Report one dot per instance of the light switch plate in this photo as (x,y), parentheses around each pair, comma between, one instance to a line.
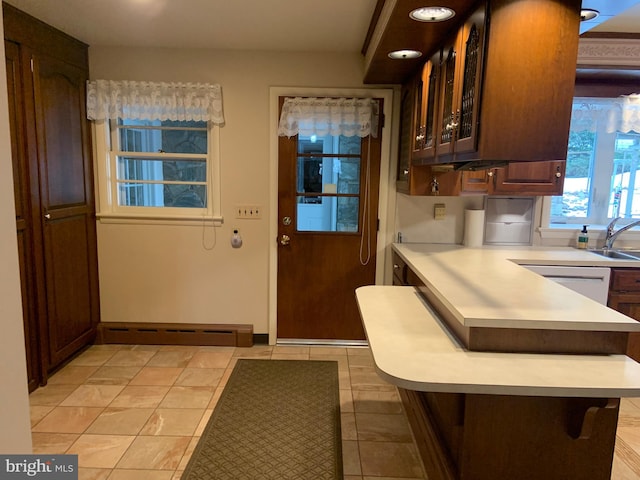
(252,212)
(439,211)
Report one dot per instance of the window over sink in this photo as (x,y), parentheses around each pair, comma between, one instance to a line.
(603,169)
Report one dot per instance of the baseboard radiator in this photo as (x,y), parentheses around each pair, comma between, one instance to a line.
(175,334)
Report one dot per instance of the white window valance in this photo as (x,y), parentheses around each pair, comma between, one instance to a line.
(329,116)
(625,114)
(112,99)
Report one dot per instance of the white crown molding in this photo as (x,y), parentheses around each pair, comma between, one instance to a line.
(613,52)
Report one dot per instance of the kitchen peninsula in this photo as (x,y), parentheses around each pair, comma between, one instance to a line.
(499,414)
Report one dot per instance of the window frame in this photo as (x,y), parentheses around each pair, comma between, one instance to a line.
(107,208)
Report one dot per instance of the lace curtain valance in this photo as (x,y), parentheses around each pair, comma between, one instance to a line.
(625,115)
(111,99)
(329,116)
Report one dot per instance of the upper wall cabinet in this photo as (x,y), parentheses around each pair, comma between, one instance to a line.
(506,80)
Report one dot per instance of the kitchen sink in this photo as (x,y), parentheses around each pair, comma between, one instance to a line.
(619,254)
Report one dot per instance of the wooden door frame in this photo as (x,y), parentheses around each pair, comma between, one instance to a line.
(386,200)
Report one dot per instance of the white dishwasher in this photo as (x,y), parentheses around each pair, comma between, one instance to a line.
(592,282)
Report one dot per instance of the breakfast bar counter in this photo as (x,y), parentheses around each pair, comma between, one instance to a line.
(487,415)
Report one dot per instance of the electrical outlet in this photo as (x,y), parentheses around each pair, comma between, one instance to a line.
(252,212)
(439,211)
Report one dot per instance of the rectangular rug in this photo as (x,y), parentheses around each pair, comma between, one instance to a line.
(275,419)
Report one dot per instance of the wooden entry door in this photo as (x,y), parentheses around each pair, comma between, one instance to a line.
(327,225)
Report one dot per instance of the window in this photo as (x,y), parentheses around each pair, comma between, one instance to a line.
(158,168)
(602,174)
(160,148)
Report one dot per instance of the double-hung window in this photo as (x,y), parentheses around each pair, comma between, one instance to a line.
(159,155)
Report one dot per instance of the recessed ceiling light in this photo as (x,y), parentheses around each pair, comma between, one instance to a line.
(432,14)
(587,14)
(404,54)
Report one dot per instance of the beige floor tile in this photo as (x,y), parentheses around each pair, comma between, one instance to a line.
(357,351)
(177,475)
(140,396)
(371,401)
(157,453)
(113,375)
(342,360)
(172,358)
(361,361)
(621,470)
(366,378)
(51,394)
(54,443)
(92,396)
(344,380)
(211,359)
(38,412)
(72,375)
(173,421)
(93,473)
(187,454)
(216,396)
(346,401)
(352,477)
(351,458)
(188,397)
(381,427)
(120,421)
(68,419)
(120,474)
(100,451)
(389,459)
(131,358)
(92,357)
(289,356)
(330,351)
(156,376)
(257,351)
(348,426)
(200,377)
(291,350)
(203,422)
(179,348)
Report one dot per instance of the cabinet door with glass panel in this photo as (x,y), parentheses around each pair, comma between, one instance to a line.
(426,126)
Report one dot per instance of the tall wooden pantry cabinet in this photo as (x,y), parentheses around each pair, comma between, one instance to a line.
(54,193)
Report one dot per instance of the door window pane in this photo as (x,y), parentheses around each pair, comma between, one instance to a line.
(328,183)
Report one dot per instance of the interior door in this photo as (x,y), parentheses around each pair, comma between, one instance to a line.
(327,217)
(67,204)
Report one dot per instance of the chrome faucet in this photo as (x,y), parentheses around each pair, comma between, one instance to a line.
(611,235)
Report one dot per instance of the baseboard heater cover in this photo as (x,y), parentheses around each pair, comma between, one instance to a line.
(175,334)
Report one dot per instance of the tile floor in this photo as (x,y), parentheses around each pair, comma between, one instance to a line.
(136,412)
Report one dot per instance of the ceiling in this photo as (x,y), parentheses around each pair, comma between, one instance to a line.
(276,25)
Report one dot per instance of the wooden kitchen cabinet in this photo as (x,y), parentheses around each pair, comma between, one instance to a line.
(55,215)
(624,296)
(425,105)
(528,178)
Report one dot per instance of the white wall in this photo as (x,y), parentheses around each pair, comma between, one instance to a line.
(15,429)
(160,273)
(415,219)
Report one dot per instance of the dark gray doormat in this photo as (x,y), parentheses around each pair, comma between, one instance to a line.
(276,419)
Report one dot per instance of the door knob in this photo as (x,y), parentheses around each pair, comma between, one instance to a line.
(47,216)
(285,239)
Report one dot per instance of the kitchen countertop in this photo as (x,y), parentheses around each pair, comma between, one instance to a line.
(413,350)
(487,287)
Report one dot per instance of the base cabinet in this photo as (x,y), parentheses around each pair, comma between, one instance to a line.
(624,296)
(489,437)
(53,178)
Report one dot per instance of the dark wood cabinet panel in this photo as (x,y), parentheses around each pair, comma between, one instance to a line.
(624,296)
(529,178)
(53,179)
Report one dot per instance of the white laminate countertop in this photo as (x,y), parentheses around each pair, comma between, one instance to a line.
(487,287)
(411,349)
